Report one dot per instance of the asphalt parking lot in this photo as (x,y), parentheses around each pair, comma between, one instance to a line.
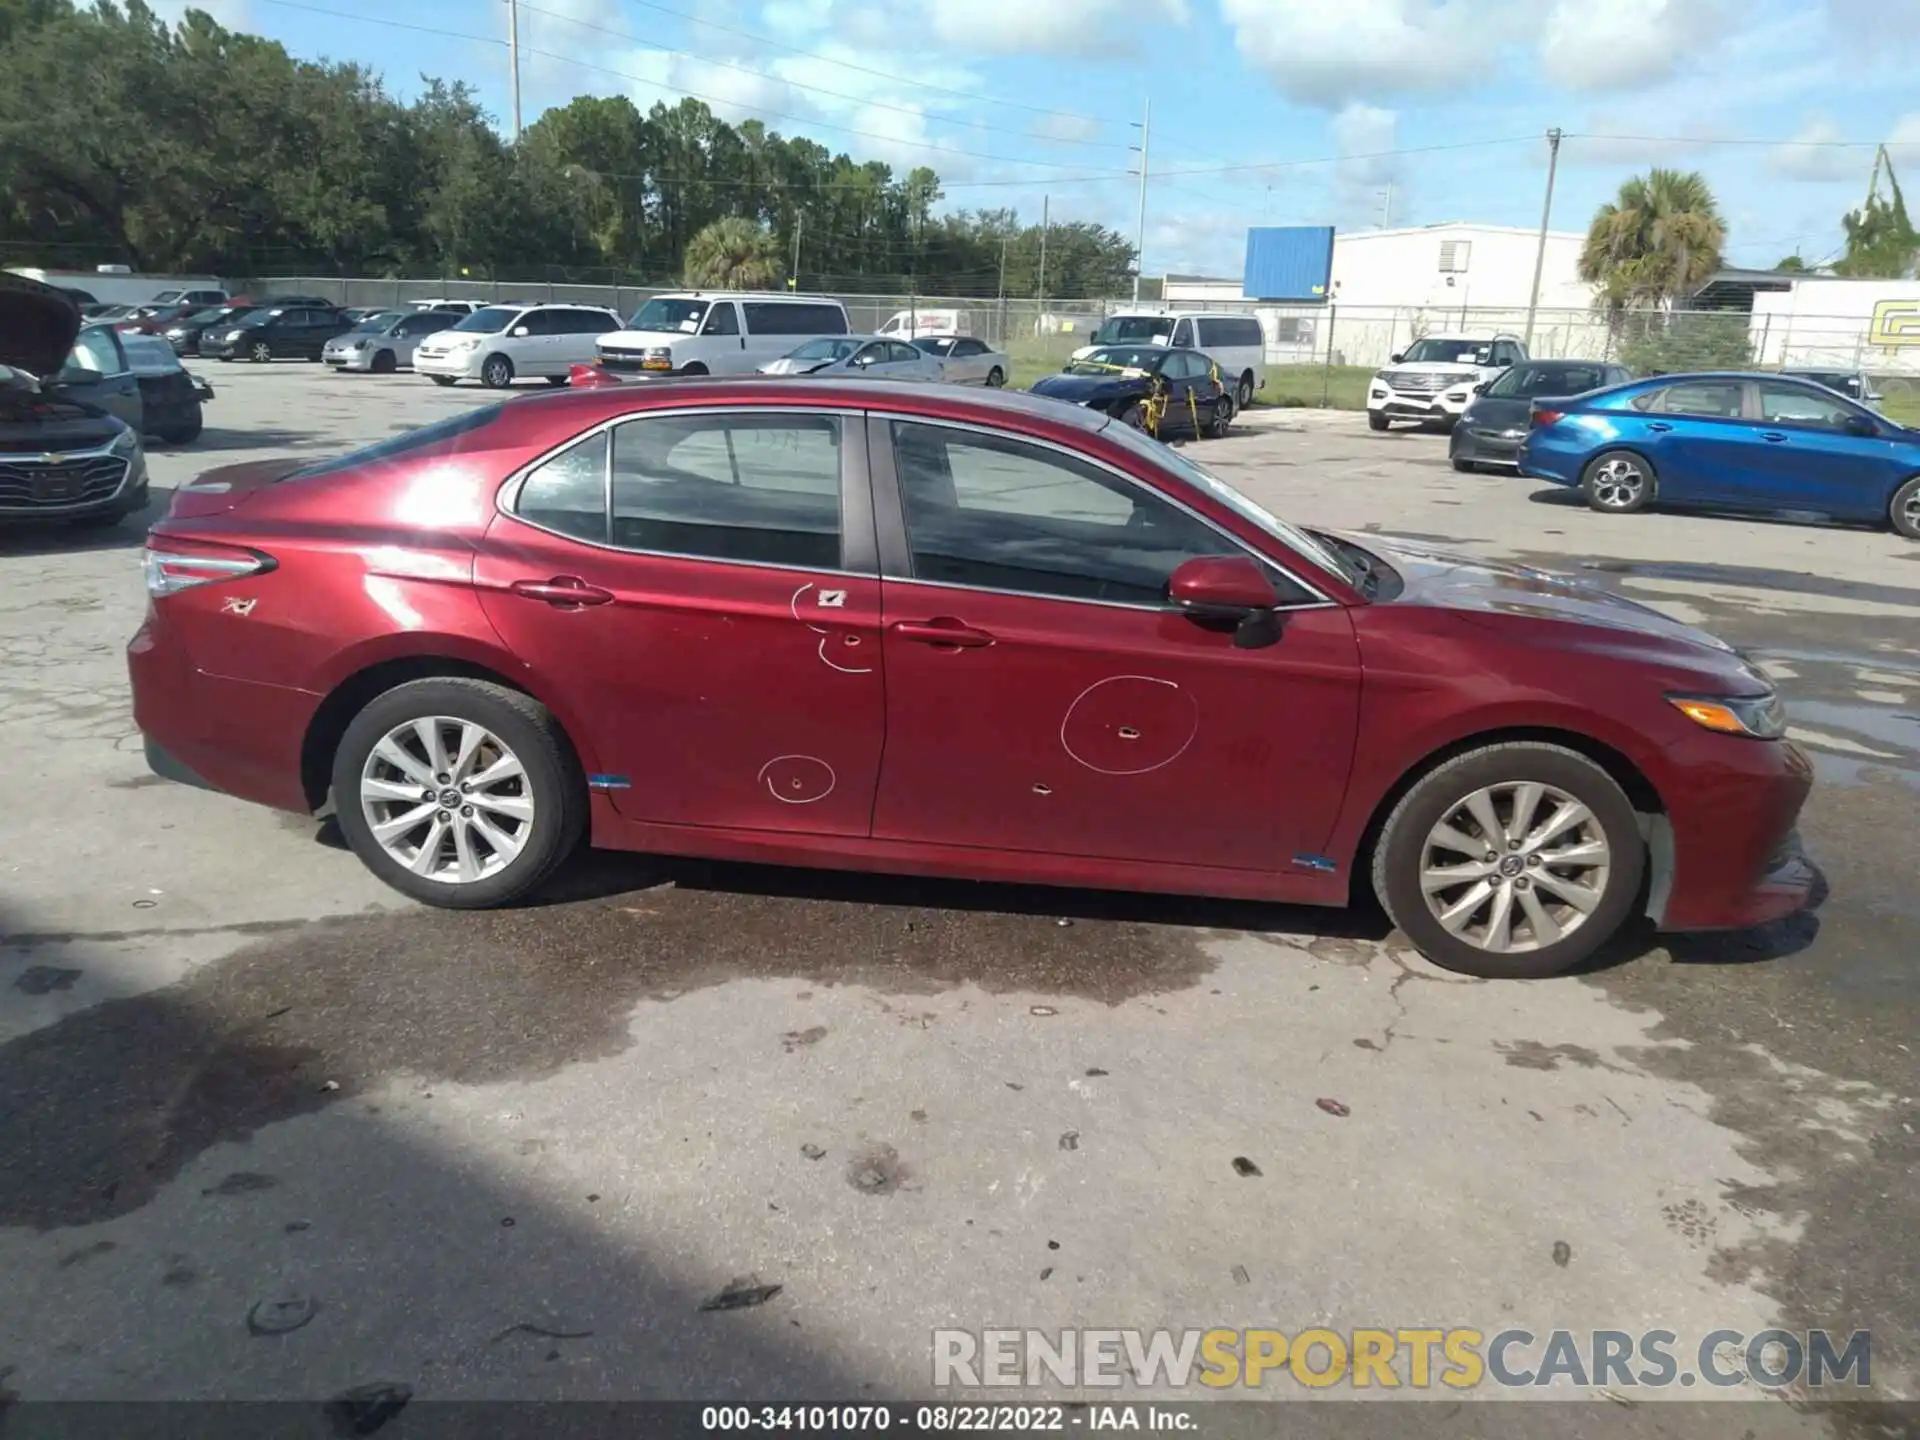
(270,1131)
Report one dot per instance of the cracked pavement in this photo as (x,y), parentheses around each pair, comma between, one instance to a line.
(273,1132)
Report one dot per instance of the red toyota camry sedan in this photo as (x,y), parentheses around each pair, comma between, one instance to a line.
(934,631)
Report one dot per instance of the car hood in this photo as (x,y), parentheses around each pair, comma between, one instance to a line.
(38,325)
(1082,388)
(1435,367)
(1490,588)
(37,419)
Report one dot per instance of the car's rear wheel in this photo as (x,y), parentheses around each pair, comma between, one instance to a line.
(1515,860)
(996,377)
(385,363)
(696,368)
(458,792)
(441,379)
(497,372)
(1243,397)
(1376,420)
(1617,482)
(185,432)
(1135,415)
(1221,422)
(1904,511)
(260,352)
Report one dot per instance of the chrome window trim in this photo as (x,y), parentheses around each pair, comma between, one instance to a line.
(1321,600)
(508,493)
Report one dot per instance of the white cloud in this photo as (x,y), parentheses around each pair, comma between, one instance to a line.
(1328,54)
(1587,45)
(1082,29)
(1070,128)
(1903,141)
(234,14)
(1362,136)
(1812,155)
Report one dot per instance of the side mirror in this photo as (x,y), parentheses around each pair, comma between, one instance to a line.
(1860,425)
(1481,388)
(1228,590)
(1396,358)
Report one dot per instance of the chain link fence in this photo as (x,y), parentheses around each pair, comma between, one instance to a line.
(1316,354)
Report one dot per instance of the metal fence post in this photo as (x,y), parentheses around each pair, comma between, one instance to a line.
(1326,372)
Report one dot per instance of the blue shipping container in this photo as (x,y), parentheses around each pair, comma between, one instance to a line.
(1289,262)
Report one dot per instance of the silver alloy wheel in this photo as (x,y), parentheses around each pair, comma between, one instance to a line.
(1618,483)
(447,799)
(261,352)
(1911,509)
(1515,867)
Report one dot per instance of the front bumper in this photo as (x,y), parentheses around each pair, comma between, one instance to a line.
(1408,405)
(629,366)
(361,359)
(465,365)
(74,487)
(217,347)
(1486,447)
(1736,856)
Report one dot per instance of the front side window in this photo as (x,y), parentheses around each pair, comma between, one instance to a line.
(1798,405)
(760,488)
(721,320)
(999,514)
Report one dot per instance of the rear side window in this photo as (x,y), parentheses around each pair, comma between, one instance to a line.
(794,317)
(568,493)
(1717,398)
(763,489)
(440,439)
(1230,332)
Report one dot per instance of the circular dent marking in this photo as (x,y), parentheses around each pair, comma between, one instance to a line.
(797,779)
(1129,725)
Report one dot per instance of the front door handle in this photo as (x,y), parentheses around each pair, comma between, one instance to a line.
(1659,425)
(943,630)
(1772,436)
(566,592)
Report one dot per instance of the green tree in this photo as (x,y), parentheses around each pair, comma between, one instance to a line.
(1655,243)
(733,254)
(1793,265)
(1881,242)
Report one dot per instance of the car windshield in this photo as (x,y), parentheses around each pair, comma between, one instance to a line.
(1447,352)
(490,321)
(1524,382)
(1307,546)
(833,348)
(669,315)
(1108,359)
(1154,328)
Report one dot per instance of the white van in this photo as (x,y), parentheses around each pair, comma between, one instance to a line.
(1235,343)
(498,344)
(717,334)
(912,324)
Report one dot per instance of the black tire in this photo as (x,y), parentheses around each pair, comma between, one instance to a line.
(1610,486)
(441,379)
(1376,420)
(996,377)
(186,432)
(1903,511)
(1398,858)
(260,352)
(496,372)
(1220,423)
(224,359)
(1135,415)
(1243,396)
(557,787)
(384,362)
(1465,467)
(696,368)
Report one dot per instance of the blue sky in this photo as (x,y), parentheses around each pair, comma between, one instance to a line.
(1264,111)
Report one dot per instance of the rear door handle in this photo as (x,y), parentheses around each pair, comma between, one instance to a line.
(567,592)
(1772,435)
(942,631)
(1660,425)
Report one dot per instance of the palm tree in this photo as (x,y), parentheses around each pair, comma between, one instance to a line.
(733,254)
(1654,243)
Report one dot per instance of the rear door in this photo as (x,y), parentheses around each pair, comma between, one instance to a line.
(714,632)
(1700,442)
(1042,696)
(98,372)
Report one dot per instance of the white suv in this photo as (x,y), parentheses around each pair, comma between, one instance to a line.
(1434,379)
(717,334)
(499,344)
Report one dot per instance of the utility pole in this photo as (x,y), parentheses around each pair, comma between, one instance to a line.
(1001,295)
(1045,225)
(1546,214)
(799,220)
(513,61)
(1140,242)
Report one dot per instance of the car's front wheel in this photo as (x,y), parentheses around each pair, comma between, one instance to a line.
(260,352)
(497,372)
(1904,510)
(1221,422)
(996,377)
(458,792)
(1243,397)
(1617,482)
(1516,860)
(1376,420)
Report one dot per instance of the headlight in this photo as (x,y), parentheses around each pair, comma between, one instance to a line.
(353,345)
(660,352)
(1759,717)
(125,443)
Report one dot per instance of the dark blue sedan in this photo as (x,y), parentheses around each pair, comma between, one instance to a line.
(1736,442)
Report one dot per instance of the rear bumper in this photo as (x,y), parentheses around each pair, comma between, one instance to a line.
(1736,855)
(1541,457)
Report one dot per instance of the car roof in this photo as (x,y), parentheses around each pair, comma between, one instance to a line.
(777,297)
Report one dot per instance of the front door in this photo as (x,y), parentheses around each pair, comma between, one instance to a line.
(704,631)
(1806,458)
(1041,694)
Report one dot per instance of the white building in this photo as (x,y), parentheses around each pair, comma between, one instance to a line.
(1827,320)
(1451,266)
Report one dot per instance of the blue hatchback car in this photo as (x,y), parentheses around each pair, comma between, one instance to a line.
(1737,442)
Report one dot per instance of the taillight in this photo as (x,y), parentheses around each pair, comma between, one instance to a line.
(1546,417)
(173,564)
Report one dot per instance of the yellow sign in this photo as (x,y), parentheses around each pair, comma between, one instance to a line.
(1895,323)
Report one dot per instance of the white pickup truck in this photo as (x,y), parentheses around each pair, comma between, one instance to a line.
(1433,379)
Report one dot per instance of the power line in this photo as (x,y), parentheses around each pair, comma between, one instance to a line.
(801,85)
(1727,140)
